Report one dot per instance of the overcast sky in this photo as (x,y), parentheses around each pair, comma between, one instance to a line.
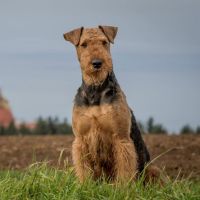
(156,56)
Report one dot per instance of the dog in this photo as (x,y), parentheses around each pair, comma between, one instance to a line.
(108,143)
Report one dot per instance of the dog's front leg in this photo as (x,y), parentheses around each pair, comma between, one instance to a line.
(79,155)
(125,160)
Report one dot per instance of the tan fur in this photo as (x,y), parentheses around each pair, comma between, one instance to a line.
(102,133)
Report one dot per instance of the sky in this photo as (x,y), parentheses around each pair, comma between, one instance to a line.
(156,56)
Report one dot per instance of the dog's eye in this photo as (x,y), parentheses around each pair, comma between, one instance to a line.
(84,45)
(104,42)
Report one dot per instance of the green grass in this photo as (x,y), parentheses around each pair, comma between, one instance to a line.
(42,182)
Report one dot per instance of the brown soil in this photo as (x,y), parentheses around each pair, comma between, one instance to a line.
(182,153)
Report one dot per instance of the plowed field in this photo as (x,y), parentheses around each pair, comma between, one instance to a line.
(182,153)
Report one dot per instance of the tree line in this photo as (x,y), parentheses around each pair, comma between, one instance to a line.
(43,126)
(151,127)
(53,126)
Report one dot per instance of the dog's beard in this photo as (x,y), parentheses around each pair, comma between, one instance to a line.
(99,78)
(96,77)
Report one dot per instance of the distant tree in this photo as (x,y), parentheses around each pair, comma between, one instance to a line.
(41,127)
(150,124)
(159,129)
(155,128)
(65,127)
(24,130)
(186,129)
(11,129)
(2,130)
(198,130)
(52,125)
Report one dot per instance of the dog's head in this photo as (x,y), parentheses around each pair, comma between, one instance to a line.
(93,50)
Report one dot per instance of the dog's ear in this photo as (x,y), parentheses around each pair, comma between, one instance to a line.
(110,32)
(74,36)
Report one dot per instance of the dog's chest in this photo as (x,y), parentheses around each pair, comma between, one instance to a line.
(93,118)
(104,119)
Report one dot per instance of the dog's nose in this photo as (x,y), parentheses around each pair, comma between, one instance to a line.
(97,63)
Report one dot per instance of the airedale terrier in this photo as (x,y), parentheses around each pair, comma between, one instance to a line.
(108,142)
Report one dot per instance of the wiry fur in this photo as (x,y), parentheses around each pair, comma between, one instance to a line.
(107,142)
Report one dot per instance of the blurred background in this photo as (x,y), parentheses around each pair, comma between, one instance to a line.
(156,56)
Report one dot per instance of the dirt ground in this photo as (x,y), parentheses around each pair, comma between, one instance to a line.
(178,154)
